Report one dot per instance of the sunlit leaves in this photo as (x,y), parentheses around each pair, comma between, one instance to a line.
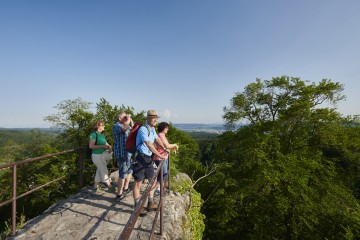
(295,168)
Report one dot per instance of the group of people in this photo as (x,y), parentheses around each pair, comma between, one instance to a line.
(149,146)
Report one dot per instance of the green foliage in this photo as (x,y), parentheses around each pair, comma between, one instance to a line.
(292,173)
(20,223)
(14,144)
(280,98)
(203,135)
(186,160)
(76,120)
(195,220)
(207,149)
(30,144)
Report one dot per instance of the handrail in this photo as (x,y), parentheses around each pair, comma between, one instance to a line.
(129,227)
(37,158)
(133,218)
(14,165)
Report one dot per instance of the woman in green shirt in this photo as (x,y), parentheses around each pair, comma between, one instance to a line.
(101,155)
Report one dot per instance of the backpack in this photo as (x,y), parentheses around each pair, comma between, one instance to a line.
(88,150)
(130,144)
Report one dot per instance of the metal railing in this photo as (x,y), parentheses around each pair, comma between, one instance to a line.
(14,166)
(81,153)
(129,227)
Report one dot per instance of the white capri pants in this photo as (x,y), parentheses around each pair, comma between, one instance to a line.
(101,161)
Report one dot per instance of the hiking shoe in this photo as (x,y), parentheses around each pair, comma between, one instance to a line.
(126,191)
(119,197)
(143,212)
(152,206)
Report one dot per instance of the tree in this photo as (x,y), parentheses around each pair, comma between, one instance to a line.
(293,171)
(280,97)
(75,118)
(33,174)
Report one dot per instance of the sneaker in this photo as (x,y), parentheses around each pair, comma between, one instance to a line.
(110,189)
(152,206)
(119,197)
(95,189)
(126,191)
(157,192)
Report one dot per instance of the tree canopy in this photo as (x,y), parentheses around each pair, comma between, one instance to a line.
(293,171)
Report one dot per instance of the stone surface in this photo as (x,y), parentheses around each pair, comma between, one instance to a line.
(89,215)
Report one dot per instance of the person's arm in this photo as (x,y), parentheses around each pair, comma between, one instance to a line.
(169,145)
(174,147)
(129,123)
(153,150)
(93,146)
(160,143)
(109,148)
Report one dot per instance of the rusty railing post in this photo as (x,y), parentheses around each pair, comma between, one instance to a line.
(168,176)
(81,168)
(161,199)
(13,210)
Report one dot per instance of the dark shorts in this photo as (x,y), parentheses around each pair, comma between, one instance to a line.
(143,168)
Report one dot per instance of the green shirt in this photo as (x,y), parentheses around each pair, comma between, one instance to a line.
(100,141)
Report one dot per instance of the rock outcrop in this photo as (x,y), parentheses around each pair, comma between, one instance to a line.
(89,215)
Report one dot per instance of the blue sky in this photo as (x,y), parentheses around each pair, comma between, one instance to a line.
(184,58)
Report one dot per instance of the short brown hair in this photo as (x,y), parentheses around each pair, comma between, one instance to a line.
(97,124)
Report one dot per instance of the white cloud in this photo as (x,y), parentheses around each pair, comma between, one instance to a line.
(166,114)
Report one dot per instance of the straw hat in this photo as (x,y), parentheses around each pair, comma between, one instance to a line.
(152,113)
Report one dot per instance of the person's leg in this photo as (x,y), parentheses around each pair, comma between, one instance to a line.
(139,175)
(103,171)
(153,187)
(97,179)
(126,184)
(136,192)
(157,162)
(96,159)
(165,172)
(120,182)
(149,174)
(129,172)
(165,169)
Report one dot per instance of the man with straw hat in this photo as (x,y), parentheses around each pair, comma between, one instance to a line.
(144,168)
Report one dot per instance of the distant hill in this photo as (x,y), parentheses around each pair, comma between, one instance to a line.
(215,128)
(48,130)
(198,127)
(187,127)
